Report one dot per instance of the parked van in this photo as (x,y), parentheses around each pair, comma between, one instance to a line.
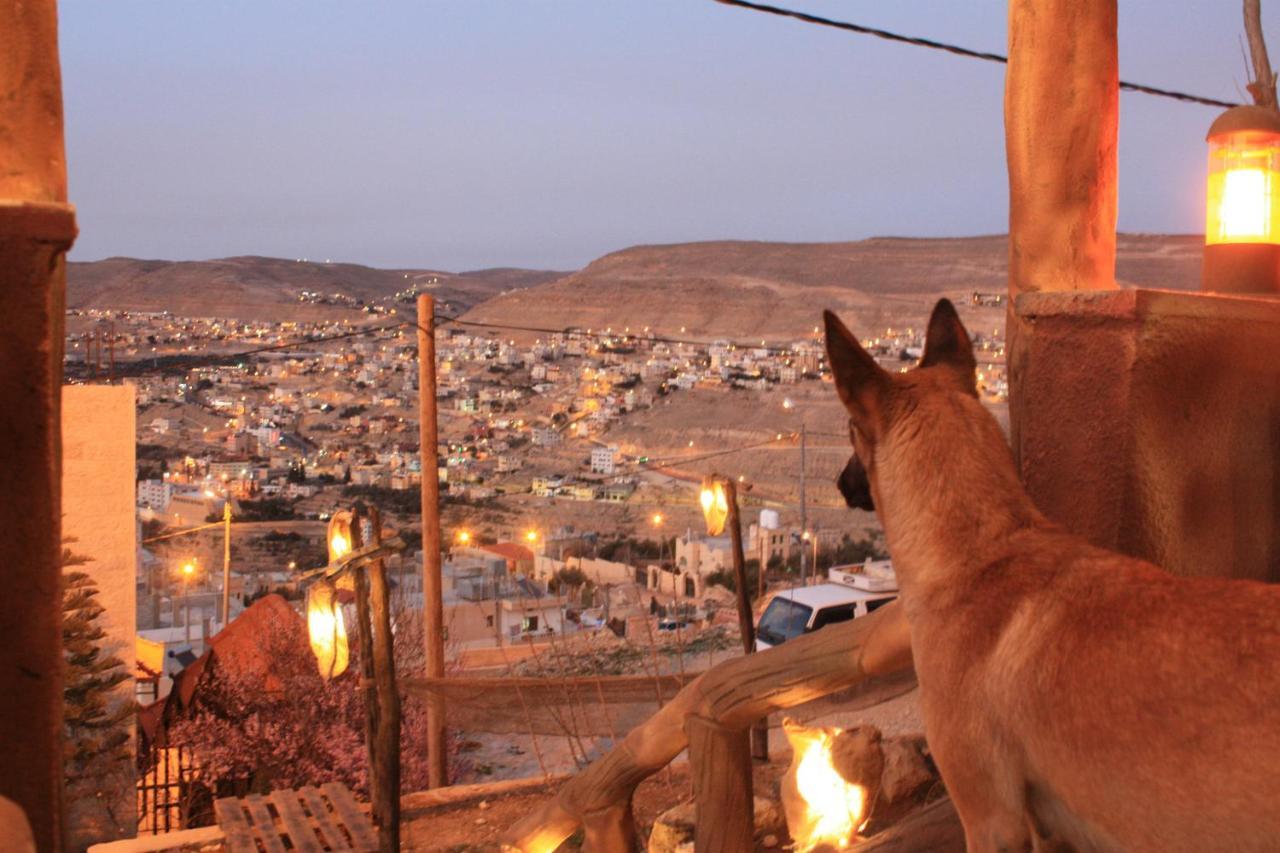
(854,590)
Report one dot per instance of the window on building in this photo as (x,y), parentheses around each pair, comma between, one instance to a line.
(529,624)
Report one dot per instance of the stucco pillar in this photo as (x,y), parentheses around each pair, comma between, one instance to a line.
(37,227)
(1061,115)
(1145,421)
(1061,118)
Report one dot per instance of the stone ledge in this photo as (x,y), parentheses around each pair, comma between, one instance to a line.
(1138,303)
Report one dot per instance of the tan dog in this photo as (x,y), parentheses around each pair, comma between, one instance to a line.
(1070,694)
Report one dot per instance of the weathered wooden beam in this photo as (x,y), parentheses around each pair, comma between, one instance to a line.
(386,791)
(734,694)
(432,583)
(722,786)
(368,677)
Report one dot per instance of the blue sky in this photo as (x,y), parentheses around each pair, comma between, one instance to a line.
(544,133)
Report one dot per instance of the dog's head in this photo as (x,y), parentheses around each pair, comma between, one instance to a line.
(873,396)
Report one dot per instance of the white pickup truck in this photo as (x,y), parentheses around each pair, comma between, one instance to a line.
(852,591)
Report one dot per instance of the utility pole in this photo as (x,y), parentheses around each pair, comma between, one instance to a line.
(804,515)
(111,352)
(226,561)
(432,585)
(760,731)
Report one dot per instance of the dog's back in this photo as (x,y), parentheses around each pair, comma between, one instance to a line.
(1144,709)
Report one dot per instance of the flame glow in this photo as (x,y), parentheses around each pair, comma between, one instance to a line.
(834,810)
(1243,198)
(1244,206)
(707,498)
(339,544)
(327,630)
(715,505)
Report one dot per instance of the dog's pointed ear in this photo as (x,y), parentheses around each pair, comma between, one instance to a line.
(860,382)
(947,343)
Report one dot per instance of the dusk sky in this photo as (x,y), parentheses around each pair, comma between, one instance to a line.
(543,134)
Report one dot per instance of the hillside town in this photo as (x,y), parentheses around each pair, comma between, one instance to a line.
(318,414)
(285,428)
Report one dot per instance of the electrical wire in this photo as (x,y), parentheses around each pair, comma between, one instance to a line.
(610,336)
(951,48)
(670,461)
(182,532)
(444,321)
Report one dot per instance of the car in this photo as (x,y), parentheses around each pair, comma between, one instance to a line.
(860,590)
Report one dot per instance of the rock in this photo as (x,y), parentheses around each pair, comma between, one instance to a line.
(857,754)
(674,830)
(906,769)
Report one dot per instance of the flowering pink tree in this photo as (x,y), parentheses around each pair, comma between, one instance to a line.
(268,719)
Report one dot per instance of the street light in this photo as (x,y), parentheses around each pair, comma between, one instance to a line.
(718,498)
(662,540)
(188,571)
(808,536)
(326,629)
(339,535)
(714,499)
(463,538)
(788,404)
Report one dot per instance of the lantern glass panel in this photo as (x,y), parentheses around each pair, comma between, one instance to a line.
(1243,204)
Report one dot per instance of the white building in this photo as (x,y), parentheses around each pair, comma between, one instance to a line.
(603,459)
(154,494)
(545,437)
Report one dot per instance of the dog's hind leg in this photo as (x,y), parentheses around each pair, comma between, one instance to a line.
(1005,832)
(989,798)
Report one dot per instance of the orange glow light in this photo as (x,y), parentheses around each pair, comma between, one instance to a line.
(1243,202)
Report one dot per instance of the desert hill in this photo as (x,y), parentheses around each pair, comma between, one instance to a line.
(269,288)
(747,290)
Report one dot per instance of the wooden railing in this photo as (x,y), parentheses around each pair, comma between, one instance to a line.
(712,717)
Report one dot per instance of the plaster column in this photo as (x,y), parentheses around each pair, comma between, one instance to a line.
(37,227)
(1061,117)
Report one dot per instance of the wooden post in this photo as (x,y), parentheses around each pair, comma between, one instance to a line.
(739,568)
(759,732)
(37,227)
(226,561)
(368,678)
(432,585)
(722,786)
(386,793)
(610,830)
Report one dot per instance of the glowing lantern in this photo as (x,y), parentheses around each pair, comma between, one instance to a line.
(1242,215)
(326,628)
(715,505)
(339,535)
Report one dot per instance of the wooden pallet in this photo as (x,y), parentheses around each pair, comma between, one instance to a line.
(312,820)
